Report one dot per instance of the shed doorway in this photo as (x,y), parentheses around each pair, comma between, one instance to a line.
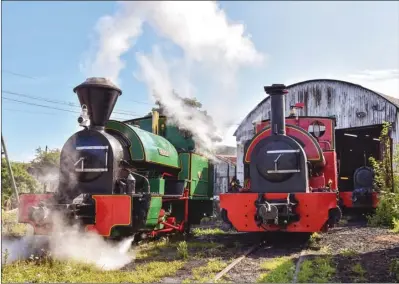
(354,147)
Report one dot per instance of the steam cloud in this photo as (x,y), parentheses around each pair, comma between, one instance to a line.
(214,50)
(70,243)
(67,242)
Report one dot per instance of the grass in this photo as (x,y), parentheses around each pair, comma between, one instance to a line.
(278,270)
(394,268)
(206,232)
(155,260)
(314,240)
(358,273)
(326,250)
(206,273)
(57,271)
(316,270)
(182,250)
(152,249)
(349,252)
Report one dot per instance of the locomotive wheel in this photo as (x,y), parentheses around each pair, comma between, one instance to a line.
(335,216)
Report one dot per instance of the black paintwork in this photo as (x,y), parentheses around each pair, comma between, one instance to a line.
(263,161)
(100,96)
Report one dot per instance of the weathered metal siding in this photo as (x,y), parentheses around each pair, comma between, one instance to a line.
(346,101)
(240,162)
(223,173)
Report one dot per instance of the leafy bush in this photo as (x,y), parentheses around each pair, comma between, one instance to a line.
(395,225)
(29,177)
(387,181)
(24,181)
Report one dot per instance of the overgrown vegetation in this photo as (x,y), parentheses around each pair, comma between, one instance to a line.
(24,182)
(319,269)
(206,273)
(394,268)
(395,225)
(278,270)
(50,271)
(314,241)
(349,252)
(210,231)
(358,273)
(387,181)
(182,250)
(10,225)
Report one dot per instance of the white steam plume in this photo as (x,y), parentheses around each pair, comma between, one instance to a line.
(214,50)
(69,243)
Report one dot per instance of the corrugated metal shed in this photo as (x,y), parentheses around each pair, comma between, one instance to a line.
(353,106)
(224,171)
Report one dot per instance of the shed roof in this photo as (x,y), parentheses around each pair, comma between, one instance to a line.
(392,100)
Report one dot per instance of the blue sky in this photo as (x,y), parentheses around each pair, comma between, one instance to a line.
(354,41)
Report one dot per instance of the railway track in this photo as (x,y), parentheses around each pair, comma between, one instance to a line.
(265,245)
(237,261)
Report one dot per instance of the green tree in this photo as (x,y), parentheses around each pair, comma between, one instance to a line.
(45,167)
(48,158)
(24,181)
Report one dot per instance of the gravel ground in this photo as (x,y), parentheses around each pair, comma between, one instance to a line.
(350,244)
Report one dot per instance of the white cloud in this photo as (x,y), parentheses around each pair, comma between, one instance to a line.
(214,50)
(376,75)
(382,81)
(385,81)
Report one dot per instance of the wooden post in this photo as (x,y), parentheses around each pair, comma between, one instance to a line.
(10,169)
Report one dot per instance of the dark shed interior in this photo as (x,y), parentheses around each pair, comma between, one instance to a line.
(354,147)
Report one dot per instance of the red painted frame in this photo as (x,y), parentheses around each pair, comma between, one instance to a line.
(111,211)
(313,209)
(346,197)
(171,221)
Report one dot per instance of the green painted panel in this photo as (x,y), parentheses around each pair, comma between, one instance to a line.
(145,146)
(157,185)
(145,124)
(153,212)
(171,132)
(199,176)
(184,159)
(177,138)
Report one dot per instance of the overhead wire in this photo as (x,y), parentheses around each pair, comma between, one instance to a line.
(28,111)
(123,112)
(49,107)
(35,78)
(117,111)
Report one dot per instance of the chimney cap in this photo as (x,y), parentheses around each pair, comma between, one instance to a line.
(98,82)
(276,89)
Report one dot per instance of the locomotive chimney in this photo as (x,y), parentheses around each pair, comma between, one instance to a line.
(99,95)
(277,120)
